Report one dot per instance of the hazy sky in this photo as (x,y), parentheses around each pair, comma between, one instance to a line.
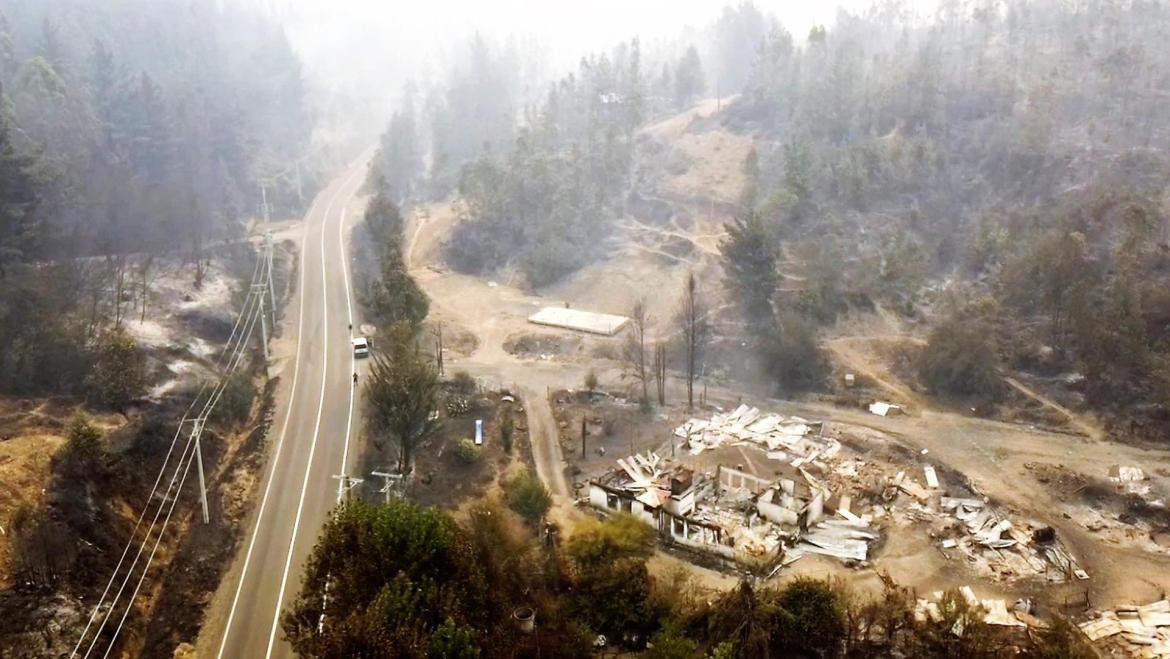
(570,28)
(370,47)
(573,25)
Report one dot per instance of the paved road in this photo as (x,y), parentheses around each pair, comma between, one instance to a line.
(307,446)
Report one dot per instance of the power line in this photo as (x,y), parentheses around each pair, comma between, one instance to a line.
(233,351)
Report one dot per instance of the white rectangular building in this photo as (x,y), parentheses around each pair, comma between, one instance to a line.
(581,321)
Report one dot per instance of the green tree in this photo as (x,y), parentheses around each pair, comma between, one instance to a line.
(402,581)
(749,265)
(119,370)
(614,599)
(689,82)
(451,641)
(811,618)
(960,358)
(746,620)
(83,453)
(790,355)
(394,296)
(403,390)
(19,194)
(595,543)
(1049,275)
(671,642)
(527,496)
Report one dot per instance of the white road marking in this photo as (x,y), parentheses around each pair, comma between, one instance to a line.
(312,444)
(280,441)
(352,360)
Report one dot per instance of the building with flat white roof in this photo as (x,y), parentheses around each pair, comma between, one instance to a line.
(581,321)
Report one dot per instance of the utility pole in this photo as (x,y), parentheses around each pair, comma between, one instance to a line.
(439,347)
(268,275)
(258,291)
(196,433)
(583,433)
(388,478)
(345,484)
(264,202)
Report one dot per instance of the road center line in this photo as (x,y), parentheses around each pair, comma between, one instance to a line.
(316,433)
(283,431)
(352,360)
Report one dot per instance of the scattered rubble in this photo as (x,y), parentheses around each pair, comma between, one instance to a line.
(995,611)
(1130,479)
(1141,631)
(772,432)
(813,495)
(994,544)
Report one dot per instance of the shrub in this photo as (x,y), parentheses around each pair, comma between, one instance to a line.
(812,617)
(791,356)
(960,359)
(468,452)
(119,372)
(83,451)
(620,536)
(236,402)
(506,427)
(463,383)
(591,380)
(527,496)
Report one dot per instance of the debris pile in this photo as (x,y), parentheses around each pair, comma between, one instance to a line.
(1131,480)
(998,546)
(843,539)
(783,437)
(733,513)
(995,611)
(1142,631)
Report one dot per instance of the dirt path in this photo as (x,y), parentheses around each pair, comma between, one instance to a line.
(852,353)
(1077,421)
(546,453)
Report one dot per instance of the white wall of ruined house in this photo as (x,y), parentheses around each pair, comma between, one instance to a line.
(603,499)
(777,514)
(735,479)
(816,507)
(683,504)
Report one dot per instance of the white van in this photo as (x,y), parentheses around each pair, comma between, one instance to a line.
(361,347)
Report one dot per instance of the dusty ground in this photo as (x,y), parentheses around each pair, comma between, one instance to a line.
(651,257)
(31,430)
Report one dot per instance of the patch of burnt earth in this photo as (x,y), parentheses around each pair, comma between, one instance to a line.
(446,476)
(533,346)
(206,550)
(80,529)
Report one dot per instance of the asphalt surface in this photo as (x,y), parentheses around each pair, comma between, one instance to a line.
(308,444)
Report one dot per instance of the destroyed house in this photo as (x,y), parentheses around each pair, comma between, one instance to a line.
(644,496)
(735,515)
(791,501)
